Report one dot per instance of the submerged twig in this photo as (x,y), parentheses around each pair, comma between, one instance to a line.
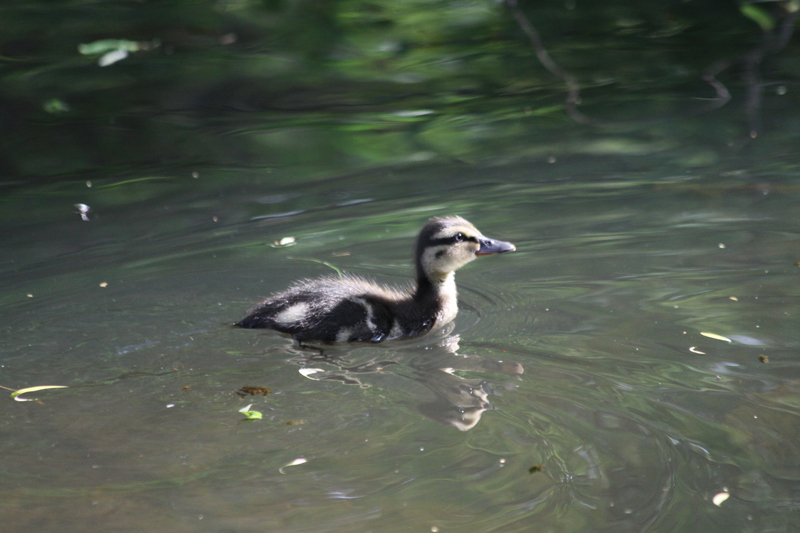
(321,262)
(573,87)
(770,44)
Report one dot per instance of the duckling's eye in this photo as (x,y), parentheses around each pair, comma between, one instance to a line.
(459,237)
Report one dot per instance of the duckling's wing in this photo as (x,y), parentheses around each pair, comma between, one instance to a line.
(353,318)
(330,310)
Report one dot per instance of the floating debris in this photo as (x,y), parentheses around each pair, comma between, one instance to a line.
(720,497)
(535,469)
(252,391)
(112,57)
(307,372)
(714,336)
(104,284)
(763,358)
(83,211)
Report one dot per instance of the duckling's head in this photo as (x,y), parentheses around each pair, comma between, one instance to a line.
(445,244)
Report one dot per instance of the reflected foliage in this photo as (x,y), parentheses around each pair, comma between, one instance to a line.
(320,86)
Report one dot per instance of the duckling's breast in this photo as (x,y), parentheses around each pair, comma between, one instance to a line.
(447,301)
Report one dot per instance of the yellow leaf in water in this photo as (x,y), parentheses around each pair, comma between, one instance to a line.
(17,393)
(298,461)
(715,336)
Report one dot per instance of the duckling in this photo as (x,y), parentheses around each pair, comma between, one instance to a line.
(352,309)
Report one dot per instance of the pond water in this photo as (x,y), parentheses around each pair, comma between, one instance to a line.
(577,390)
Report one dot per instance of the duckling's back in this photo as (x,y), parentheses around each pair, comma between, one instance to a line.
(331,310)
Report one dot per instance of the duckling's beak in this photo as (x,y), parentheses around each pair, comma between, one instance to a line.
(492,246)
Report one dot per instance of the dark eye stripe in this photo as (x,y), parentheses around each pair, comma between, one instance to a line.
(451,240)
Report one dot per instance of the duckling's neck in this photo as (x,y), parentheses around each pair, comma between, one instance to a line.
(439,290)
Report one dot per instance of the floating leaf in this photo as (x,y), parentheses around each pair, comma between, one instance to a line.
(108,45)
(251,415)
(307,372)
(286,241)
(298,461)
(17,393)
(714,336)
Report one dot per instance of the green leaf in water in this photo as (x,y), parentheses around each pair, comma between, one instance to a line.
(114,50)
(251,415)
(108,45)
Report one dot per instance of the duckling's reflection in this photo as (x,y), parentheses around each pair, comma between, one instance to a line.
(457,400)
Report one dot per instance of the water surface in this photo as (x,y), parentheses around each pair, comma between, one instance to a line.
(574,392)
